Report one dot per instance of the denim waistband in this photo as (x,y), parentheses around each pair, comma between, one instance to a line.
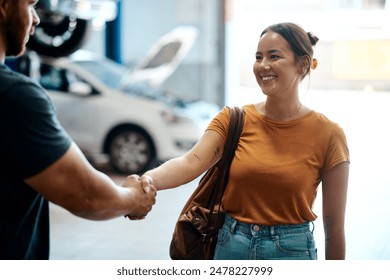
(256,230)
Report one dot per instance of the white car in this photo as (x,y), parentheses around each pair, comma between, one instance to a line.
(110,110)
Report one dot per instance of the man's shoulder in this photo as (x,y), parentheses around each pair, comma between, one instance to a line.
(12,82)
(10,78)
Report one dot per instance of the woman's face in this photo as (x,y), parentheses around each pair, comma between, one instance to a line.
(276,69)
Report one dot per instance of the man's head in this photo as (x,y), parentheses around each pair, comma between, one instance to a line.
(17,21)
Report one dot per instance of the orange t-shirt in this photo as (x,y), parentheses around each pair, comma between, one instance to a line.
(277,166)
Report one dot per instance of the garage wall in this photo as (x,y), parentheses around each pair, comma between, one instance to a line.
(143,22)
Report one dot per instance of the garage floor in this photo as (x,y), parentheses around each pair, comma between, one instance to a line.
(73,238)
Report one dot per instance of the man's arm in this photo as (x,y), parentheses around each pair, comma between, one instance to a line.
(71,182)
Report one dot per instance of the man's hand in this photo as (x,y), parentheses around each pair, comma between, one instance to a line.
(143,197)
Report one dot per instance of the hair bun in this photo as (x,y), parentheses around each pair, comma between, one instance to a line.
(313,39)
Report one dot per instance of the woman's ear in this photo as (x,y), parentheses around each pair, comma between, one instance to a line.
(304,65)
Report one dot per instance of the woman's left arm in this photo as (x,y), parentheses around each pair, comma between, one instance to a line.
(334,199)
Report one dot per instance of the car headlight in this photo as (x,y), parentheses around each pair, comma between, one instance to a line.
(172,118)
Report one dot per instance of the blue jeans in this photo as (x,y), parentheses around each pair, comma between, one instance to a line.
(241,241)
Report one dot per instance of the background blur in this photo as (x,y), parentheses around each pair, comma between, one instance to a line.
(351,86)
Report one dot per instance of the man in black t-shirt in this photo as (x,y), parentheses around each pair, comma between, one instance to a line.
(39,162)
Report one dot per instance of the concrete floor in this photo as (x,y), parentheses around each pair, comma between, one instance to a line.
(73,238)
(364,117)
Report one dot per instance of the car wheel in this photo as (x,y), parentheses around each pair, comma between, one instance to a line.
(130,151)
(59,35)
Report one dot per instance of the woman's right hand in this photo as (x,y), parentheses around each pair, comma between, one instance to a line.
(147,182)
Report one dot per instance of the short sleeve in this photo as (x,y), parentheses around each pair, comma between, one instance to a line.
(338,151)
(35,138)
(220,123)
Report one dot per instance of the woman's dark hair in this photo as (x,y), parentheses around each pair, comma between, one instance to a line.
(300,41)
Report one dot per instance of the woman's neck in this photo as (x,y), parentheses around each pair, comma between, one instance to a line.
(286,110)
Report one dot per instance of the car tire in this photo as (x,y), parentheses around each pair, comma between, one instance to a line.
(131,151)
(59,35)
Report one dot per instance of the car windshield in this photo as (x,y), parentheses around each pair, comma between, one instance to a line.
(109,73)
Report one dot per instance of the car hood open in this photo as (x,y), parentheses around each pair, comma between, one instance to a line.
(163,57)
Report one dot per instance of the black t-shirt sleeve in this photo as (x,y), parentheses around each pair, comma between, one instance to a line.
(34,139)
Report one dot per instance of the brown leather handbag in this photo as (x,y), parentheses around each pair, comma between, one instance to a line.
(195,233)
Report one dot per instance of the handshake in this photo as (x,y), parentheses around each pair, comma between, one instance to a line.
(143,195)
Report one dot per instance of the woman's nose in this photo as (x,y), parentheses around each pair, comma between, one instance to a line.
(264,66)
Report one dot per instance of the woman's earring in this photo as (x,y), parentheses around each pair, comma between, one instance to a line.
(314,64)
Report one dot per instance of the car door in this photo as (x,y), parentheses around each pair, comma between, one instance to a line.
(77,103)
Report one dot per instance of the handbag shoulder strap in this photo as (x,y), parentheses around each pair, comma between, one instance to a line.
(237,116)
(236,124)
